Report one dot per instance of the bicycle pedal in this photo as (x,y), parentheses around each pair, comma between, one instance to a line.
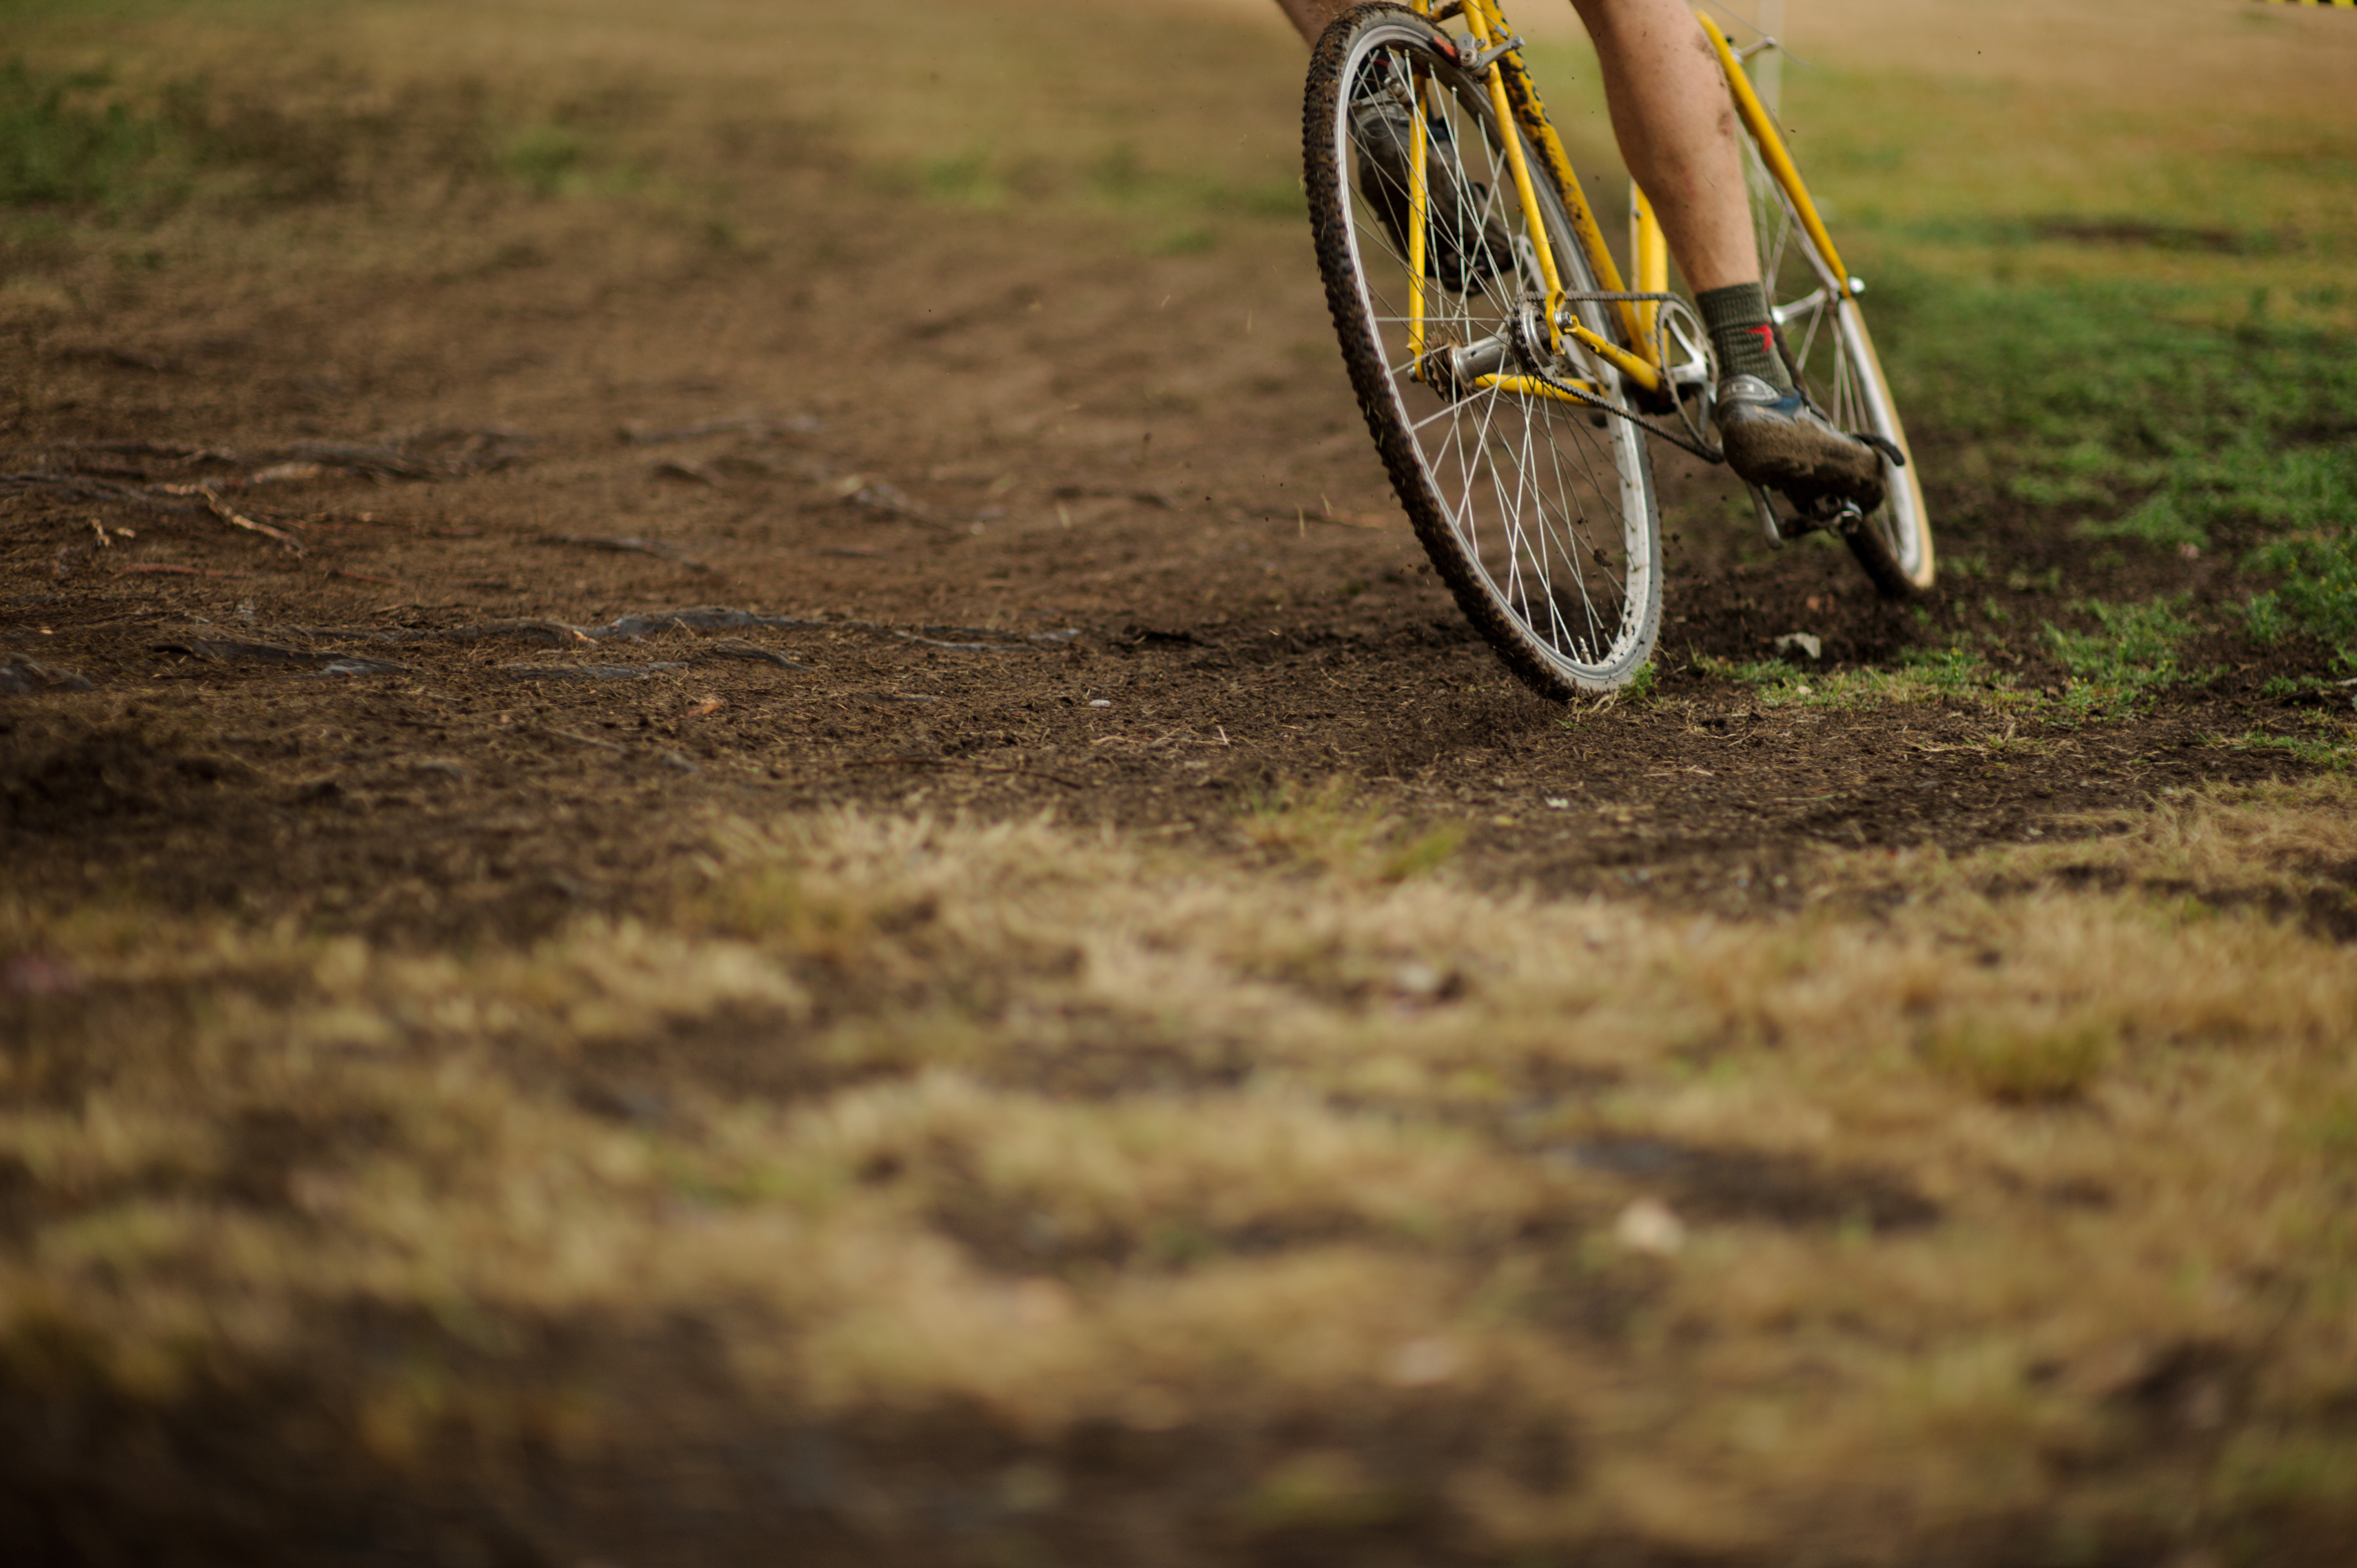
(1882,444)
(1841,517)
(1832,516)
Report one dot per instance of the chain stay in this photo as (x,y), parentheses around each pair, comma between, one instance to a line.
(1691,439)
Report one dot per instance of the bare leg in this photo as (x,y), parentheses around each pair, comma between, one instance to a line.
(1675,122)
(1676,127)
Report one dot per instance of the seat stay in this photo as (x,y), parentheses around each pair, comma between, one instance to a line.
(1770,141)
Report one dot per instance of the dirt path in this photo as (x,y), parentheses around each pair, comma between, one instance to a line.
(1054,525)
(1057,556)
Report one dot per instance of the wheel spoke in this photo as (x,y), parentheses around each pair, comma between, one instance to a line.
(1539,516)
(1822,330)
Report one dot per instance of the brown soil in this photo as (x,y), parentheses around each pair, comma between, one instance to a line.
(1065,537)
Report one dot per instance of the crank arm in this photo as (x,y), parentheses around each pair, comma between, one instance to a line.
(1842,517)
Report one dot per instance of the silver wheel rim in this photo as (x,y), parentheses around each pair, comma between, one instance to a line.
(1555,514)
(1826,334)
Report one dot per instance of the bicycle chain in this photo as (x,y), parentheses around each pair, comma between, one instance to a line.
(1683,443)
(1675,438)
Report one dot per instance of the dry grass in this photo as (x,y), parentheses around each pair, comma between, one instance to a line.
(1974,1203)
(1332,828)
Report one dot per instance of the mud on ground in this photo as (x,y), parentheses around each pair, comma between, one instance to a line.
(374,591)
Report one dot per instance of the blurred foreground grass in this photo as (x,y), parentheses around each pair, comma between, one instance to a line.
(2027,1201)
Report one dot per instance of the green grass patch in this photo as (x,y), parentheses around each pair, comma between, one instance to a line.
(2320,750)
(78,145)
(69,139)
(2017,1063)
(2147,337)
(2318,592)
(2103,395)
(2255,483)
(2134,655)
(1178,204)
(961,179)
(1330,828)
(2113,403)
(1922,674)
(546,159)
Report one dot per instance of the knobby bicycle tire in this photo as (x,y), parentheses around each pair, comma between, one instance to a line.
(1539,513)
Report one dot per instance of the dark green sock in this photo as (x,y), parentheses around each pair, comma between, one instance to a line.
(1736,319)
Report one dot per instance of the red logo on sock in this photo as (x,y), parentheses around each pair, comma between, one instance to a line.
(1767,338)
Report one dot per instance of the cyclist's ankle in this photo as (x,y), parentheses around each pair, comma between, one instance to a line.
(1740,330)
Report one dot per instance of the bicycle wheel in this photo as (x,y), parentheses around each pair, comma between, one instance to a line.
(1537,511)
(1831,355)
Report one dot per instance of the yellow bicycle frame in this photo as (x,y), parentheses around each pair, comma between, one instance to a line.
(1648,252)
(1514,99)
(1756,119)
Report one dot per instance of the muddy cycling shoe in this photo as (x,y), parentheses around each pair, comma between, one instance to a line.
(1776,441)
(1463,249)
